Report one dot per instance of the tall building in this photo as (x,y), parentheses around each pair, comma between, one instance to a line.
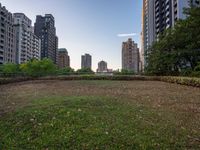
(86,61)
(159,15)
(27,43)
(148,28)
(130,56)
(163,15)
(63,58)
(56,50)
(178,8)
(195,3)
(102,66)
(167,12)
(46,31)
(7,37)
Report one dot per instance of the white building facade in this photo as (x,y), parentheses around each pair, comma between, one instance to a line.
(27,43)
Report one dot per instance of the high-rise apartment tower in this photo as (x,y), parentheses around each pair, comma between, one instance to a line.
(86,61)
(130,56)
(46,31)
(7,37)
(27,43)
(63,58)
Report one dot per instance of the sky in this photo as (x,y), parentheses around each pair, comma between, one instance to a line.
(97,27)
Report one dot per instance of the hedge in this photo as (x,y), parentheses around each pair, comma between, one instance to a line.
(14,80)
(189,81)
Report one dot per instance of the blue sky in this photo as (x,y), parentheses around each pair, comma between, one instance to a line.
(88,26)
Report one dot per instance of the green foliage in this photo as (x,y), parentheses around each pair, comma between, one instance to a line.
(195,82)
(124,72)
(1,68)
(37,68)
(127,72)
(10,69)
(189,81)
(84,71)
(178,49)
(186,72)
(196,72)
(66,71)
(197,68)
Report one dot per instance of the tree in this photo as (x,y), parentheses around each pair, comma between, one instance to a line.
(10,69)
(162,55)
(178,49)
(38,67)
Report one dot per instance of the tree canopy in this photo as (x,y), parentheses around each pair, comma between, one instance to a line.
(177,48)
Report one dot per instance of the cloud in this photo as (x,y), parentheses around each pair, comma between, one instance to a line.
(127,35)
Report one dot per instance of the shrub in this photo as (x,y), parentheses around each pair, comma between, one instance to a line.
(65,71)
(182,80)
(36,68)
(195,82)
(84,71)
(186,72)
(124,72)
(195,74)
(197,68)
(10,69)
(1,68)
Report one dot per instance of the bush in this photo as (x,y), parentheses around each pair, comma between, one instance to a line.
(182,80)
(10,69)
(195,74)
(124,72)
(1,68)
(83,71)
(37,68)
(195,82)
(186,72)
(14,80)
(197,68)
(65,71)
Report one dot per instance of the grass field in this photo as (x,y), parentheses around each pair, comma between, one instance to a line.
(99,115)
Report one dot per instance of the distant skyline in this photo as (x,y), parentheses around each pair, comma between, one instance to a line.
(97,27)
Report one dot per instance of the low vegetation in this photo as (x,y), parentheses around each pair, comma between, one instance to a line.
(124,72)
(195,82)
(99,115)
(45,67)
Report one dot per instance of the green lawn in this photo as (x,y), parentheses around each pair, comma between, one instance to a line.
(92,121)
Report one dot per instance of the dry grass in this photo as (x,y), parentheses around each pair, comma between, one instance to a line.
(182,102)
(154,94)
(158,95)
